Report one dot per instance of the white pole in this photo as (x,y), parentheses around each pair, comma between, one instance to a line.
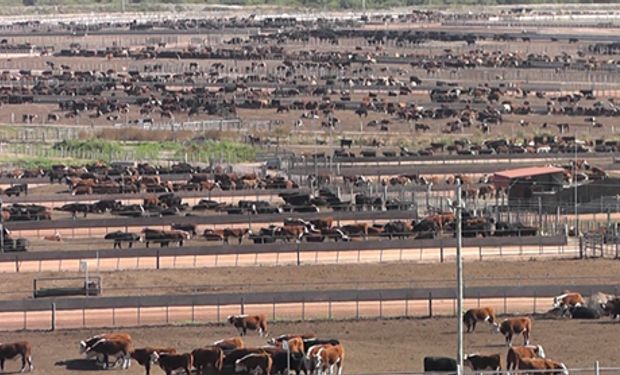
(459,278)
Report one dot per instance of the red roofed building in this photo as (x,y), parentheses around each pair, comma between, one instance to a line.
(521,183)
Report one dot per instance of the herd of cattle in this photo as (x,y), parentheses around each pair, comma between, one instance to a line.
(320,356)
(525,357)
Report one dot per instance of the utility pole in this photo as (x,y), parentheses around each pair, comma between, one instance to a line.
(459,279)
(576,210)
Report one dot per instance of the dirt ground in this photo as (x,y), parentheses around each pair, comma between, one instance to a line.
(324,277)
(372,346)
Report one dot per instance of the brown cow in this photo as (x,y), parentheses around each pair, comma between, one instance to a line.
(515,354)
(329,356)
(144,356)
(515,326)
(325,223)
(568,300)
(236,233)
(230,343)
(245,322)
(208,357)
(173,362)
(482,314)
(21,348)
(254,363)
(116,346)
(539,364)
(441,220)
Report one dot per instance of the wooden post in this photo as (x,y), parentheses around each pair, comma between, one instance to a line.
(53,328)
(430,304)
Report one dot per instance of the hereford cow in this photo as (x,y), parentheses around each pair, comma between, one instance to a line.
(245,322)
(12,350)
(611,308)
(538,364)
(568,300)
(114,346)
(173,362)
(254,363)
(204,358)
(237,233)
(515,326)
(515,354)
(230,344)
(144,356)
(439,364)
(329,356)
(478,362)
(482,314)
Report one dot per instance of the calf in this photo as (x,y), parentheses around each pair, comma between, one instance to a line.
(439,364)
(483,314)
(540,364)
(329,356)
(173,362)
(568,300)
(254,363)
(144,356)
(516,326)
(12,350)
(516,353)
(245,322)
(483,362)
(208,357)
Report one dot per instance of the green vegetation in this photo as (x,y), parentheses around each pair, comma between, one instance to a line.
(89,146)
(220,150)
(38,162)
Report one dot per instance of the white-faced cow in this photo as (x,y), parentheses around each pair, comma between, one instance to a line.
(255,364)
(539,364)
(12,350)
(515,354)
(279,339)
(245,322)
(479,362)
(329,357)
(144,356)
(483,314)
(105,345)
(567,300)
(516,326)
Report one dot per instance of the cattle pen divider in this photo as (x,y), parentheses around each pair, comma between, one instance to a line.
(439,250)
(351,304)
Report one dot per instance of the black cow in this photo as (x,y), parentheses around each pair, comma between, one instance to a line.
(297,362)
(582,312)
(612,308)
(440,364)
(119,237)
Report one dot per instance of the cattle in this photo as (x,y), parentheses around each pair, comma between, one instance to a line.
(230,344)
(611,308)
(440,364)
(515,326)
(235,233)
(144,356)
(515,354)
(245,322)
(329,356)
(568,300)
(111,345)
(582,312)
(482,362)
(283,360)
(164,237)
(173,362)
(12,350)
(119,237)
(539,364)
(254,363)
(204,358)
(483,314)
(305,336)
(308,343)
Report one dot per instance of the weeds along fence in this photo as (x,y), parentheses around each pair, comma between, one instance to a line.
(279,306)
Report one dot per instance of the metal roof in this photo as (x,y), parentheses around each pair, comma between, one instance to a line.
(527,172)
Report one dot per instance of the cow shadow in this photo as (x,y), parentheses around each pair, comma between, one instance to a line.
(80,364)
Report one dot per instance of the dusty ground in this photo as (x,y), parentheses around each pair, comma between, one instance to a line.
(371,346)
(323,277)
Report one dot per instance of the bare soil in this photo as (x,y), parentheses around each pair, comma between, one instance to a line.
(372,346)
(329,277)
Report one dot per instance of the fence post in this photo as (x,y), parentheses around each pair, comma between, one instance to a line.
(534,312)
(597,368)
(441,252)
(167,314)
(113,316)
(380,306)
(329,309)
(157,260)
(53,316)
(242,306)
(357,308)
(430,304)
(273,310)
(303,309)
